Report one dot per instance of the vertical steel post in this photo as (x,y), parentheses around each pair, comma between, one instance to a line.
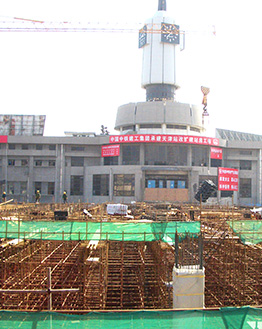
(49,289)
(200,246)
(176,249)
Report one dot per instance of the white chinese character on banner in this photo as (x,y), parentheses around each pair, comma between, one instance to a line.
(164,138)
(153,138)
(116,139)
(126,138)
(158,138)
(169,139)
(175,139)
(131,138)
(147,138)
(141,138)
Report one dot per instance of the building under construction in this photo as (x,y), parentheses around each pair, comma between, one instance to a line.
(159,152)
(161,250)
(67,259)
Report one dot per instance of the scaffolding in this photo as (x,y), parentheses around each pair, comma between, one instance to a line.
(107,275)
(96,271)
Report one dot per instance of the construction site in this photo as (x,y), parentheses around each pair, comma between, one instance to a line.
(77,257)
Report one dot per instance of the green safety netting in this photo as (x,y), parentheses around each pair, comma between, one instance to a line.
(225,318)
(63,230)
(249,231)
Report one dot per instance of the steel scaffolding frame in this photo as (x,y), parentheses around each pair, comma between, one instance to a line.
(129,274)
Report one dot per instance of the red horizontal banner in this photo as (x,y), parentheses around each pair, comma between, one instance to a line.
(3,139)
(110,150)
(216,153)
(180,139)
(227,179)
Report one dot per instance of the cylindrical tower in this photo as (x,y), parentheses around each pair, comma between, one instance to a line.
(159,38)
(160,114)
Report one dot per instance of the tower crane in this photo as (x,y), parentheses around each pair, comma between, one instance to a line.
(18,24)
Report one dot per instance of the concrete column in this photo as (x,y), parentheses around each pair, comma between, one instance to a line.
(142,154)
(5,167)
(193,184)
(189,155)
(139,186)
(259,172)
(60,173)
(120,158)
(111,184)
(164,128)
(31,183)
(209,158)
(87,184)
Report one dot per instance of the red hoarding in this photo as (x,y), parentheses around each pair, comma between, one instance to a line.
(228,179)
(3,139)
(216,153)
(110,150)
(180,139)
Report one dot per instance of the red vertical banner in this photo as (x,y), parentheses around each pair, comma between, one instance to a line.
(228,179)
(3,139)
(216,153)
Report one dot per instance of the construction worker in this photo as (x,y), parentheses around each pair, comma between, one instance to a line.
(37,196)
(192,213)
(4,196)
(64,197)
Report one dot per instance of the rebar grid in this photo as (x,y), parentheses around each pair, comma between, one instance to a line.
(27,270)
(233,270)
(109,274)
(125,275)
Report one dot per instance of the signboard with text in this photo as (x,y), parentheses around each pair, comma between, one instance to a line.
(110,150)
(216,153)
(228,179)
(179,139)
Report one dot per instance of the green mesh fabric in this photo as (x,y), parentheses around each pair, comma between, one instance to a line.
(63,230)
(225,318)
(249,231)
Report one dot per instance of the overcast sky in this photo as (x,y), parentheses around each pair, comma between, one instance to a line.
(78,80)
